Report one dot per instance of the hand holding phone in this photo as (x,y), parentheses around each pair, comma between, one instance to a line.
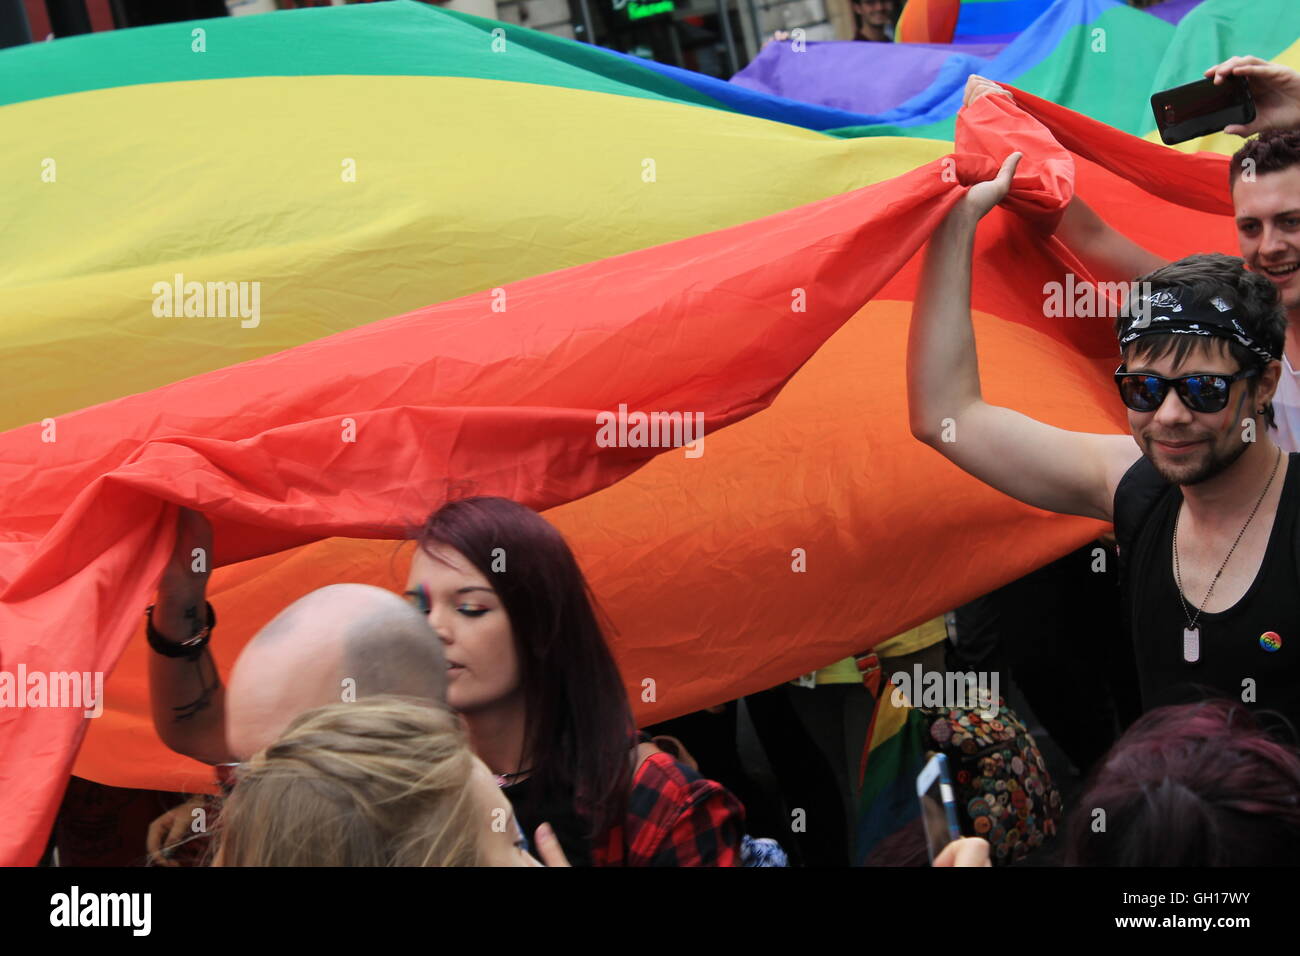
(1204,107)
(967,851)
(938,805)
(1274,88)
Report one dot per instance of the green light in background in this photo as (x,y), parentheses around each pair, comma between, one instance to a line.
(636,11)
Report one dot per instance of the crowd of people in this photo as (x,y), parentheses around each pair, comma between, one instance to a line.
(480,717)
(482,721)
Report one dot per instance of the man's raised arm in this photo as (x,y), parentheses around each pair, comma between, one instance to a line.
(1051,468)
(186,695)
(1108,253)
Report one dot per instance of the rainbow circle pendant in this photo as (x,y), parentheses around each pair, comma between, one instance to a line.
(1270,641)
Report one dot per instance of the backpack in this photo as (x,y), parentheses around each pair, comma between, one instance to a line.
(1004,791)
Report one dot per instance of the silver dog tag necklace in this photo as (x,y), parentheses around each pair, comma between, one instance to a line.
(1192,633)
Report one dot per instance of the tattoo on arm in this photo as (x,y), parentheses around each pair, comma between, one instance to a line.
(209,683)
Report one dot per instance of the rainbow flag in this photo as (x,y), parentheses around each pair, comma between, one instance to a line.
(1098,57)
(888,829)
(995,21)
(928,21)
(315,272)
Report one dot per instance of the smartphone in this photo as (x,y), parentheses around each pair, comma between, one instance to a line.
(1186,112)
(938,805)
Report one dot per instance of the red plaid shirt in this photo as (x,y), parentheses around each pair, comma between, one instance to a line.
(675,817)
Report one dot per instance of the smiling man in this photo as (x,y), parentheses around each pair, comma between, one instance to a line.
(1206,505)
(1264,180)
(875,20)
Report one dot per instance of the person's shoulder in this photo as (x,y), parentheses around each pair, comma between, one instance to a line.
(666,789)
(665,775)
(1135,496)
(664,786)
(1292,471)
(1140,473)
(1141,481)
(678,817)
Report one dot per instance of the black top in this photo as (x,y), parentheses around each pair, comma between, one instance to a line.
(1235,645)
(570,829)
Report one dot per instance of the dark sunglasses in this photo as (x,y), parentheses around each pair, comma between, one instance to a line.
(1144,392)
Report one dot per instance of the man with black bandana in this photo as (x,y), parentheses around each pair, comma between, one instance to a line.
(1207,507)
(1264,184)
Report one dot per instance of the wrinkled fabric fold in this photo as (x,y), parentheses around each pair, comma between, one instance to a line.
(361,434)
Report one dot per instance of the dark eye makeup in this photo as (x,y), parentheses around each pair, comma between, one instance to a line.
(419,598)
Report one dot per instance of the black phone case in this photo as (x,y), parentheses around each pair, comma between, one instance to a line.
(1198,124)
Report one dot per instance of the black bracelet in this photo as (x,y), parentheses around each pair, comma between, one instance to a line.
(190,649)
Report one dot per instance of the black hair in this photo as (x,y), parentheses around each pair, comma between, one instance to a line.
(1271,152)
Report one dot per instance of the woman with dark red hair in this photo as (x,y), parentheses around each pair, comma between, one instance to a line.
(533,678)
(1193,785)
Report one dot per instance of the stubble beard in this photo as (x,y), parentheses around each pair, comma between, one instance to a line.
(1212,464)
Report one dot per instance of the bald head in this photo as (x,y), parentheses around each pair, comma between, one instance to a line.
(339,640)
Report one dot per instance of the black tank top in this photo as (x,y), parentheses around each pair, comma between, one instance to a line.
(1257,639)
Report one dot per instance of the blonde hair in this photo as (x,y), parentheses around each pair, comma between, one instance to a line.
(384,781)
